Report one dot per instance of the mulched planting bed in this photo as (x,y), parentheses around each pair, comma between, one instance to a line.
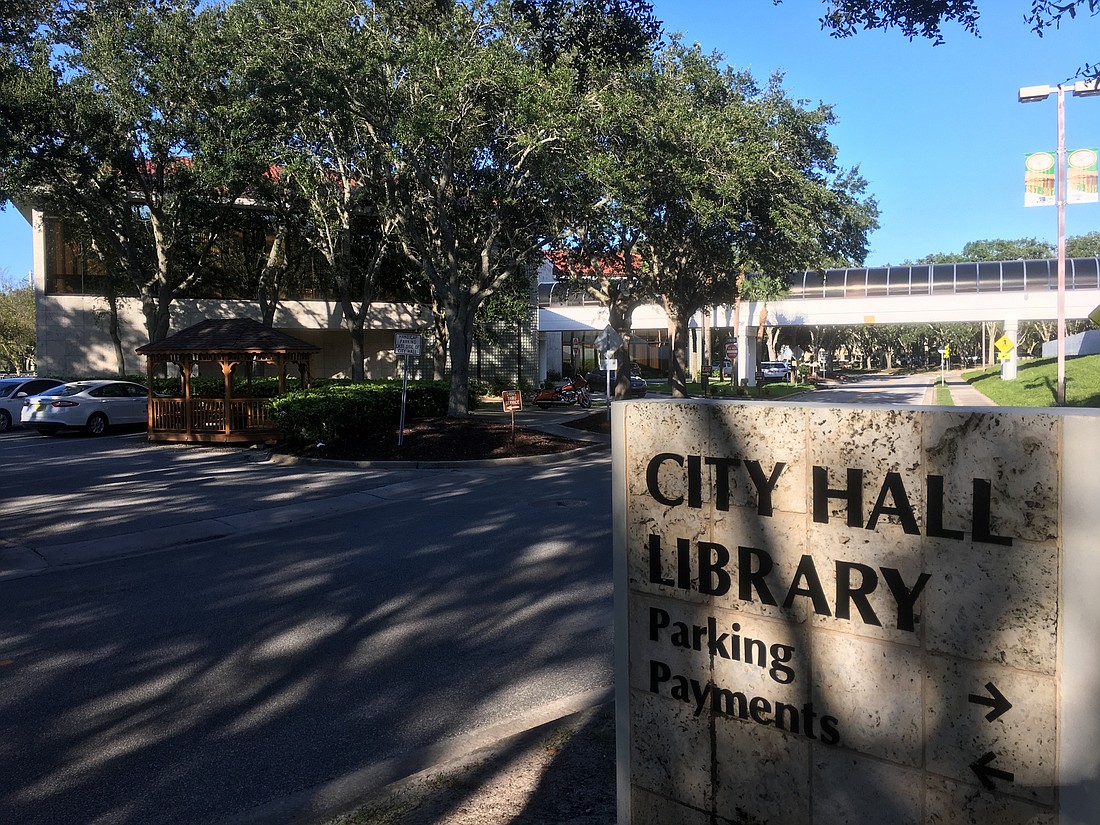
(449,439)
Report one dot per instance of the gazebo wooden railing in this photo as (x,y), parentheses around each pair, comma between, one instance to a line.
(249,417)
(229,344)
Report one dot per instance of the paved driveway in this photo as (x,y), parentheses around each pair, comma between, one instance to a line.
(194,635)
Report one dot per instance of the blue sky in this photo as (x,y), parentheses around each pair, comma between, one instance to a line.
(936,130)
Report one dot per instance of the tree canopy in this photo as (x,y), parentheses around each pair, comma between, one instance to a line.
(17,327)
(447,142)
(923,18)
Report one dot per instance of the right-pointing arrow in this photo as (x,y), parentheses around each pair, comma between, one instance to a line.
(987,774)
(995,700)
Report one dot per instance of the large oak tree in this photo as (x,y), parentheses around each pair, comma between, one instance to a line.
(716,175)
(131,134)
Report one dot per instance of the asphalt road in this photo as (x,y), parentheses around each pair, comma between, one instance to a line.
(881,388)
(197,636)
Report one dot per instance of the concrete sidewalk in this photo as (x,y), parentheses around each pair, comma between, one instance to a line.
(963,394)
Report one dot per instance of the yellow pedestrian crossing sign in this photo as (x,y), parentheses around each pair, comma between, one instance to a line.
(1004,345)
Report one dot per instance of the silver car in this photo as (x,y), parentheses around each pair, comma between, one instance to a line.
(92,406)
(13,391)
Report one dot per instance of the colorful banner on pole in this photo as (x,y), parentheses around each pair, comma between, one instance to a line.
(1039,179)
(1081,176)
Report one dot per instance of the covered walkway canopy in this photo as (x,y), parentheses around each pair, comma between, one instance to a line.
(229,343)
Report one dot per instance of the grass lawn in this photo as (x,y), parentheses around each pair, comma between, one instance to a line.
(1035,383)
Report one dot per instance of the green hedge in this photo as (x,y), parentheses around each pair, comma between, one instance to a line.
(210,386)
(213,386)
(349,415)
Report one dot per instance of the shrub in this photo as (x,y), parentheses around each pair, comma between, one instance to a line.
(345,414)
(211,386)
(499,383)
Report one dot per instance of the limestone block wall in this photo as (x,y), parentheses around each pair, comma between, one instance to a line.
(856,615)
(73,333)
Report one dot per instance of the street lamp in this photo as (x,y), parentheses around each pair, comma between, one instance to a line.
(1033,94)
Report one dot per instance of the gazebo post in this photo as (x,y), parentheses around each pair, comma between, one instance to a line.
(186,368)
(227,371)
(149,412)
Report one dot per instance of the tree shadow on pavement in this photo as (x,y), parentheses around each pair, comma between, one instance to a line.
(560,773)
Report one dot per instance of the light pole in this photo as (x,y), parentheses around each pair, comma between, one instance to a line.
(1032,94)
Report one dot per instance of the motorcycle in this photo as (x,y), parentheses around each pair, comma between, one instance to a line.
(574,391)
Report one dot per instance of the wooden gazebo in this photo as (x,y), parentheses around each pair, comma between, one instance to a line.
(230,343)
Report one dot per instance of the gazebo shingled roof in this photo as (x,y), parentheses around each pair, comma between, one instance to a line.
(228,335)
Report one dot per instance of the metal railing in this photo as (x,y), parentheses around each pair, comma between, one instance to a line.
(915,279)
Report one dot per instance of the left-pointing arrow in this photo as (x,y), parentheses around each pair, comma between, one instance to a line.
(996,701)
(987,774)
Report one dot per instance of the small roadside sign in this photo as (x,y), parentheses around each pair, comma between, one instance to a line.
(513,403)
(731,350)
(1004,344)
(407,343)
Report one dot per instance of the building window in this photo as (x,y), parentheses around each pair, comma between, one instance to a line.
(69,271)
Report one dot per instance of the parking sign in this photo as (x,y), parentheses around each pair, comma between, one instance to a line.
(407,343)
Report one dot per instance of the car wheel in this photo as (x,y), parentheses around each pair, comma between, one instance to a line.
(5,421)
(97,424)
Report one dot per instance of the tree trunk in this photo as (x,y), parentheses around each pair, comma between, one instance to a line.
(677,371)
(618,315)
(157,317)
(760,341)
(358,371)
(440,346)
(113,327)
(460,342)
(267,290)
(772,334)
(519,358)
(739,283)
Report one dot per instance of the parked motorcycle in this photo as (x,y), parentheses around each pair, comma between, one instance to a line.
(574,391)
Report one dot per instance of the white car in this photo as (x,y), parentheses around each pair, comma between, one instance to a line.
(92,406)
(13,391)
(775,370)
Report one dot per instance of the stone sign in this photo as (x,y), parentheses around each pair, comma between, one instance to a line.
(856,615)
